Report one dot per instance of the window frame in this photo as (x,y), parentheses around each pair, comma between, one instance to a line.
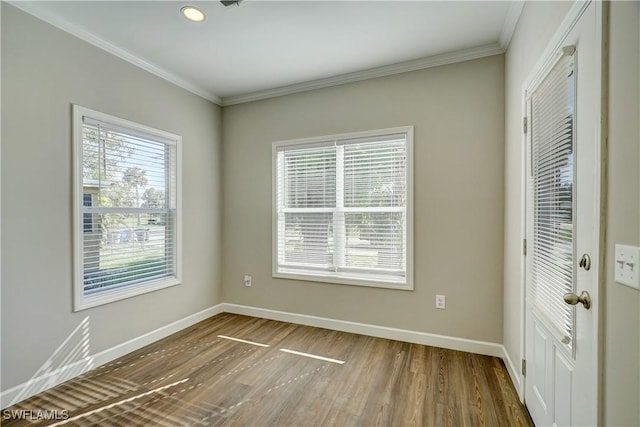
(81,301)
(324,276)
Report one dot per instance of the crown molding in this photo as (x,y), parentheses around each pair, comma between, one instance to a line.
(32,8)
(515,8)
(388,70)
(510,22)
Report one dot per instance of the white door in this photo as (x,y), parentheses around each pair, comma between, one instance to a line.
(563,196)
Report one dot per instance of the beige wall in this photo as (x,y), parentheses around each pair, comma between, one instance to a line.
(457,111)
(44,71)
(621,310)
(622,305)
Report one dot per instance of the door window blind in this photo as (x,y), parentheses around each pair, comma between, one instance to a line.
(341,208)
(129,185)
(551,197)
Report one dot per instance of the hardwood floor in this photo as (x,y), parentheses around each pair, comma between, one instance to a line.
(201,377)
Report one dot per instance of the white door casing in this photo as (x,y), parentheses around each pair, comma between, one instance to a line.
(561,382)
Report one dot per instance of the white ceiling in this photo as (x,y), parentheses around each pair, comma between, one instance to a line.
(266,48)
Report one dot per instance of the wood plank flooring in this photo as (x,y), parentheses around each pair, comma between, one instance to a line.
(200,377)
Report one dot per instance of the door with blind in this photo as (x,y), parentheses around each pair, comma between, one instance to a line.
(563,184)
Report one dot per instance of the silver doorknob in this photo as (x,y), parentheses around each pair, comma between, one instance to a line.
(584,298)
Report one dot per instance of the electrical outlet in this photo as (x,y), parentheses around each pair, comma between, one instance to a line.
(440,302)
(247,280)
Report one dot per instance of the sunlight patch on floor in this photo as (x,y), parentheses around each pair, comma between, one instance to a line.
(244,341)
(138,396)
(313,356)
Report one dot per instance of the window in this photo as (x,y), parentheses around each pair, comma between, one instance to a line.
(551,217)
(127,208)
(342,208)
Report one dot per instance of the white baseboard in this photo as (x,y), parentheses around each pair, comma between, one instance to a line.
(514,373)
(45,381)
(452,343)
(50,379)
(153,336)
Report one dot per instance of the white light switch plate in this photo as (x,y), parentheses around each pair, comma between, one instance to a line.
(627,265)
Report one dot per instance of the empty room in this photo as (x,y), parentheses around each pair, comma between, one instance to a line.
(336,213)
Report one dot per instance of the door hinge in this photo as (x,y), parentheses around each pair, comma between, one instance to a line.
(524,367)
(524,246)
(525,122)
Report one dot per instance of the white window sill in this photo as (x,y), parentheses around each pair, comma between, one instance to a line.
(344,279)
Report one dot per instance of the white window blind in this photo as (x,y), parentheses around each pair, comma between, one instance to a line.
(550,207)
(341,208)
(127,240)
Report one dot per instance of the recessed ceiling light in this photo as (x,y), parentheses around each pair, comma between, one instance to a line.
(193,13)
